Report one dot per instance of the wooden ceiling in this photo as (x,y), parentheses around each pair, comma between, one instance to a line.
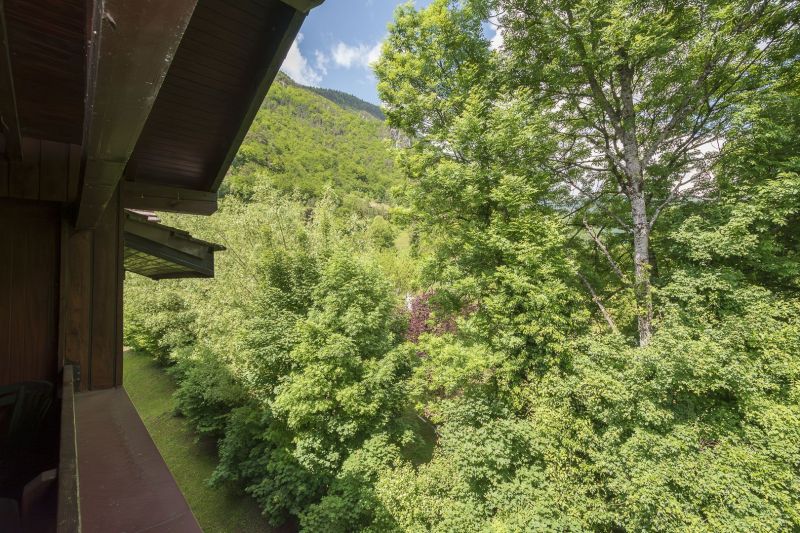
(224,57)
(158,95)
(47,45)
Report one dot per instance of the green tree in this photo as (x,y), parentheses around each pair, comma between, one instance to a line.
(481,191)
(632,96)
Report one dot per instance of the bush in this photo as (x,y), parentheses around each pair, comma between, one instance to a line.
(255,453)
(699,431)
(207,392)
(157,322)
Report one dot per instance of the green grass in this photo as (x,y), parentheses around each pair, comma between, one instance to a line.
(191,463)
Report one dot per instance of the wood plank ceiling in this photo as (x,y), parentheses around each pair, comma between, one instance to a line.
(229,55)
(219,73)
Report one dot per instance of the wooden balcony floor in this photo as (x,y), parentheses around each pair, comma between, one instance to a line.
(125,486)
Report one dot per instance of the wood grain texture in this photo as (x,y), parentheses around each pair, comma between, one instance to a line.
(3,178)
(77,296)
(47,44)
(130,51)
(159,198)
(30,235)
(224,65)
(104,299)
(48,171)
(124,483)
(53,171)
(92,301)
(8,98)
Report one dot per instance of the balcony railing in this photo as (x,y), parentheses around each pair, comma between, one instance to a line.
(68,514)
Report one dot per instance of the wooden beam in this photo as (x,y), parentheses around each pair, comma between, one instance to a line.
(265,77)
(139,195)
(130,50)
(303,6)
(9,117)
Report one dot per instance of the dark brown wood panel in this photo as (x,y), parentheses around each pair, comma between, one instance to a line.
(6,298)
(153,197)
(106,342)
(8,98)
(92,300)
(30,234)
(3,178)
(24,178)
(74,172)
(47,44)
(53,171)
(77,297)
(218,77)
(49,171)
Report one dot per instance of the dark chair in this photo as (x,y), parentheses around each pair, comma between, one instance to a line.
(36,512)
(9,516)
(24,449)
(38,505)
(29,403)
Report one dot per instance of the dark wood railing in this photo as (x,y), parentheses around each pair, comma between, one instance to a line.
(69,516)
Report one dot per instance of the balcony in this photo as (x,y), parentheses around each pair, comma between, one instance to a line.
(92,467)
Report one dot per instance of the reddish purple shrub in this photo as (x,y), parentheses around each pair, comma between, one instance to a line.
(420,319)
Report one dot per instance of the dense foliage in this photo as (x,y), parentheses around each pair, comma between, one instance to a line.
(493,352)
(302,142)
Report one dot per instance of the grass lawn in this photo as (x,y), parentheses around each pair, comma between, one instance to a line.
(191,463)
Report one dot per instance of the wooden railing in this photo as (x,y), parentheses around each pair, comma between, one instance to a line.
(69,516)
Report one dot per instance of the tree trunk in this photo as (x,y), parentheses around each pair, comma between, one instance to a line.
(641,226)
(641,258)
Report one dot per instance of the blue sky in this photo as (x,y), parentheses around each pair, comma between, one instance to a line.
(338,41)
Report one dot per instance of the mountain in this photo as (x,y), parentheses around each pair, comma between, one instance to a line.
(341,98)
(348,101)
(305,140)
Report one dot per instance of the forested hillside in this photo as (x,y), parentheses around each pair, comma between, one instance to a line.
(303,142)
(348,101)
(579,311)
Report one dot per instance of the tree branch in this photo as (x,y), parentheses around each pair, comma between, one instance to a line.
(593,198)
(599,303)
(602,247)
(670,197)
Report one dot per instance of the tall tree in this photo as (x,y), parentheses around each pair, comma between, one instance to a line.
(636,96)
(640,96)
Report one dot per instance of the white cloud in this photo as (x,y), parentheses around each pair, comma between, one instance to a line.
(497,41)
(308,71)
(297,67)
(321,62)
(359,56)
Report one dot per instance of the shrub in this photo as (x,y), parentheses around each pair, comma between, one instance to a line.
(157,322)
(207,392)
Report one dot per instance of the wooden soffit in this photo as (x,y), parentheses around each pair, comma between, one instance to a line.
(157,93)
(222,70)
(303,6)
(161,252)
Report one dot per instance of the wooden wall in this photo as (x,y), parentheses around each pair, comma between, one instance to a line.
(49,171)
(30,235)
(91,307)
(60,294)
